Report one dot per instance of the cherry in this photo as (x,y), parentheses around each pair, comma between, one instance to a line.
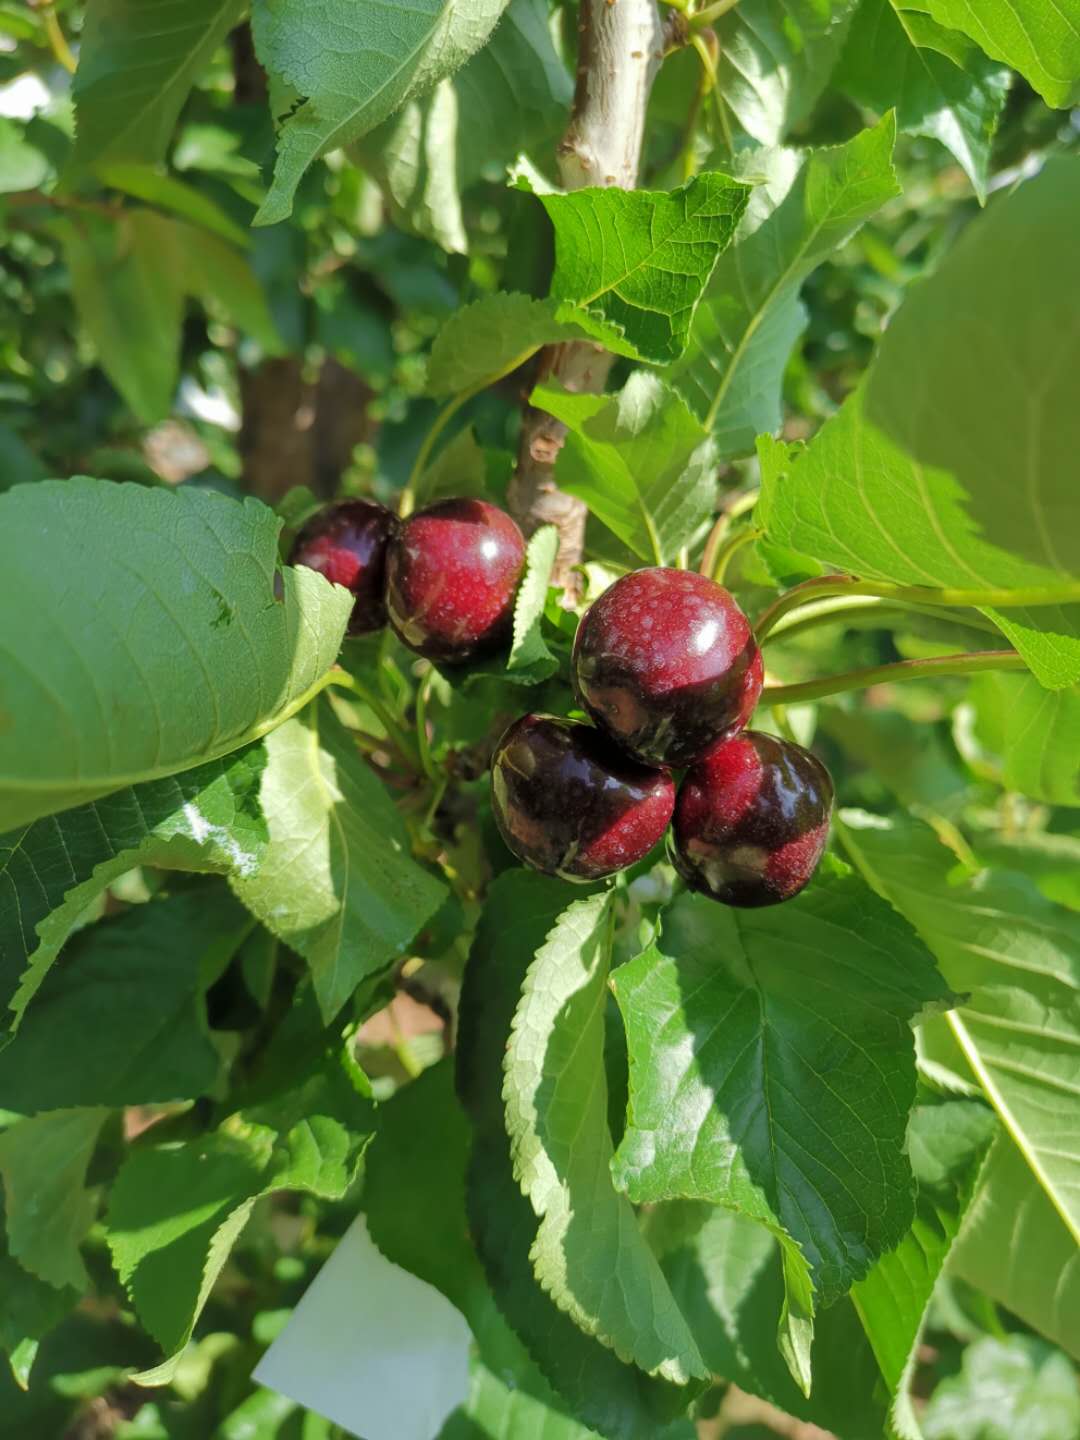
(452,573)
(752,819)
(347,543)
(666,662)
(567,802)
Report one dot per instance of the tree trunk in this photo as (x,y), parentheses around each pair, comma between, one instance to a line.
(622,43)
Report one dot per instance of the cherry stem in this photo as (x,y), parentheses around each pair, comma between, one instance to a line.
(58,44)
(917,594)
(869,611)
(939,665)
(724,552)
(712,12)
(397,737)
(423,744)
(733,507)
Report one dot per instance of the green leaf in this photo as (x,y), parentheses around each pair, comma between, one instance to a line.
(556,1117)
(1015,1244)
(940,83)
(803,206)
(947,1142)
(185,643)
(222,278)
(350,69)
(1052,861)
(137,61)
(617,1400)
(338,883)
(18,463)
(1034,733)
(776,57)
(917,479)
(43,1164)
(498,1410)
(727,1274)
(147,183)
(485,340)
(31,1309)
(127,284)
(207,819)
(176,1210)
(510,98)
(106,1028)
(22,165)
(529,652)
(1040,38)
(631,265)
(460,468)
(772,1069)
(1018,958)
(640,460)
(1005,1388)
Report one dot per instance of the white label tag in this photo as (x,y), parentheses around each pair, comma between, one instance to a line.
(372,1348)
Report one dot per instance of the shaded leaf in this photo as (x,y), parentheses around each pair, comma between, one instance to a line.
(727,1274)
(338,883)
(43,1163)
(640,460)
(110,680)
(121,1020)
(51,870)
(631,265)
(137,62)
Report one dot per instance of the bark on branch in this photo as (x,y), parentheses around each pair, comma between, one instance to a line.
(621,45)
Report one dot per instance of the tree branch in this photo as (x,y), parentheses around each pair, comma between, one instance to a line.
(620,50)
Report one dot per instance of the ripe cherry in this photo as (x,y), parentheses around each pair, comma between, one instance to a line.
(567,802)
(666,662)
(452,573)
(347,543)
(752,819)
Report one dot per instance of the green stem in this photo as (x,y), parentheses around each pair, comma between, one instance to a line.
(445,415)
(732,508)
(427,760)
(871,611)
(938,665)
(916,594)
(57,39)
(387,720)
(727,549)
(407,500)
(712,12)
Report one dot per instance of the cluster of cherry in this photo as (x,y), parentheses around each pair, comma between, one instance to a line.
(665,665)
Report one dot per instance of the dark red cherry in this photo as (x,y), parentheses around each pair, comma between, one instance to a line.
(666,662)
(569,803)
(452,574)
(347,543)
(752,819)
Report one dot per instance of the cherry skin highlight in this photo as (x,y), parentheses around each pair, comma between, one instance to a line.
(567,802)
(347,543)
(666,663)
(452,573)
(751,820)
